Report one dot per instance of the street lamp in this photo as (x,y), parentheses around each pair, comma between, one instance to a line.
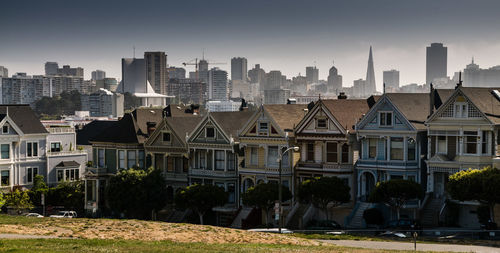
(280,210)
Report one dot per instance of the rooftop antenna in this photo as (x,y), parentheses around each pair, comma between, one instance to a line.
(203,53)
(384,89)
(133,47)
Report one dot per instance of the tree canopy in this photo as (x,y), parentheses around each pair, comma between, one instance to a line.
(481,185)
(39,188)
(19,200)
(201,198)
(395,193)
(67,194)
(66,103)
(325,191)
(265,195)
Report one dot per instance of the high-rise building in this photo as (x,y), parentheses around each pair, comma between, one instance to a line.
(436,62)
(239,68)
(67,70)
(276,96)
(391,79)
(334,81)
(188,91)
(274,80)
(478,77)
(370,85)
(176,73)
(51,68)
(98,75)
(4,72)
(257,75)
(156,71)
(312,74)
(203,70)
(359,88)
(217,84)
(103,103)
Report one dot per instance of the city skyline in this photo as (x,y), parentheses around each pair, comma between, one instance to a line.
(273,37)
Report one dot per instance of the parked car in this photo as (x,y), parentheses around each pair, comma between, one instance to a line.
(403,224)
(271,230)
(36,215)
(65,214)
(323,225)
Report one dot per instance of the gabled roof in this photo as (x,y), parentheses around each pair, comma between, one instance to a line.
(91,130)
(183,125)
(415,107)
(231,122)
(287,116)
(348,111)
(485,101)
(24,118)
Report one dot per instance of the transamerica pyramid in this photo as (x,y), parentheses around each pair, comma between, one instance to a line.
(370,86)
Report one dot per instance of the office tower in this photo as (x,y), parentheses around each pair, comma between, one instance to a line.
(187,90)
(4,72)
(217,84)
(312,74)
(436,62)
(51,68)
(391,79)
(103,103)
(67,70)
(107,83)
(370,86)
(156,70)
(239,68)
(274,80)
(334,81)
(257,75)
(203,70)
(276,96)
(176,73)
(478,77)
(359,88)
(98,75)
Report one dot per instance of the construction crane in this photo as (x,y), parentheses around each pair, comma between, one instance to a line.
(196,63)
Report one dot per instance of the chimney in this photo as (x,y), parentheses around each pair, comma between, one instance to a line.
(431,100)
(342,95)
(151,127)
(459,84)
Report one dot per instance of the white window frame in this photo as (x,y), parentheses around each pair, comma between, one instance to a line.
(135,158)
(337,152)
(32,149)
(446,144)
(170,137)
(380,118)
(265,130)
(326,123)
(6,126)
(10,178)
(60,146)
(124,158)
(254,161)
(32,169)
(206,131)
(463,110)
(76,174)
(376,148)
(8,158)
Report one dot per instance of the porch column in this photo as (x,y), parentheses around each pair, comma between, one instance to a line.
(388,148)
(430,181)
(405,149)
(213,159)
(225,160)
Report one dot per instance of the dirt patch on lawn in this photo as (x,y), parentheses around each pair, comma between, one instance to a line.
(146,231)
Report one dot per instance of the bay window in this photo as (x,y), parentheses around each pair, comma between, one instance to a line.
(254,158)
(372,148)
(219,160)
(331,152)
(5,151)
(441,144)
(272,157)
(470,142)
(411,149)
(131,159)
(397,148)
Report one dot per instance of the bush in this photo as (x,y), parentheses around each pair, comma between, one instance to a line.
(373,216)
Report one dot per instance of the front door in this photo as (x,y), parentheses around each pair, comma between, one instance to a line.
(440,179)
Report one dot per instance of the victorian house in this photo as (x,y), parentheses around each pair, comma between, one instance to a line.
(462,134)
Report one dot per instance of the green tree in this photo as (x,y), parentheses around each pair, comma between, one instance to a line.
(481,185)
(71,195)
(2,200)
(395,193)
(264,196)
(136,192)
(19,200)
(324,192)
(201,198)
(39,188)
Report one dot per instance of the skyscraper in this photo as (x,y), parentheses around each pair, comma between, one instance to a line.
(239,68)
(51,68)
(258,75)
(370,86)
(203,70)
(436,62)
(4,72)
(334,81)
(217,84)
(312,74)
(98,75)
(391,79)
(67,70)
(274,80)
(156,71)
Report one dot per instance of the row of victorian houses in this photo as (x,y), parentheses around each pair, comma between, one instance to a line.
(420,137)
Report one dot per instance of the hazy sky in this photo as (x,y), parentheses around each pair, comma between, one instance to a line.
(281,35)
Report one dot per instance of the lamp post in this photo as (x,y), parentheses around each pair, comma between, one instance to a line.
(280,210)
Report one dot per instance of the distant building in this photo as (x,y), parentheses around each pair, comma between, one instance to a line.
(239,68)
(188,91)
(359,88)
(391,79)
(103,103)
(257,75)
(477,77)
(4,72)
(51,68)
(334,81)
(436,62)
(312,74)
(108,83)
(156,71)
(299,84)
(98,75)
(61,83)
(176,73)
(370,85)
(274,80)
(276,96)
(203,71)
(66,70)
(222,106)
(217,84)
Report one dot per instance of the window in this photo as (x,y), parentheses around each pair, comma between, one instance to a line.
(411,149)
(484,143)
(460,110)
(321,123)
(310,152)
(254,157)
(31,149)
(91,190)
(141,159)
(232,193)
(55,147)
(372,148)
(285,159)
(441,144)
(263,127)
(30,174)
(158,161)
(396,148)
(121,159)
(230,161)
(100,158)
(166,137)
(209,132)
(5,151)
(5,178)
(219,160)
(177,164)
(470,142)
(386,118)
(131,158)
(72,174)
(5,129)
(331,152)
(202,158)
(272,157)
(345,153)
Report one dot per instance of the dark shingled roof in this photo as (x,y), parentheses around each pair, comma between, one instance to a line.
(25,118)
(183,125)
(231,122)
(91,130)
(287,116)
(414,106)
(485,101)
(349,111)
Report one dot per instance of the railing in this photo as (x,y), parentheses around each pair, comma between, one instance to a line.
(207,172)
(292,212)
(326,166)
(388,163)
(308,214)
(58,130)
(64,153)
(348,218)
